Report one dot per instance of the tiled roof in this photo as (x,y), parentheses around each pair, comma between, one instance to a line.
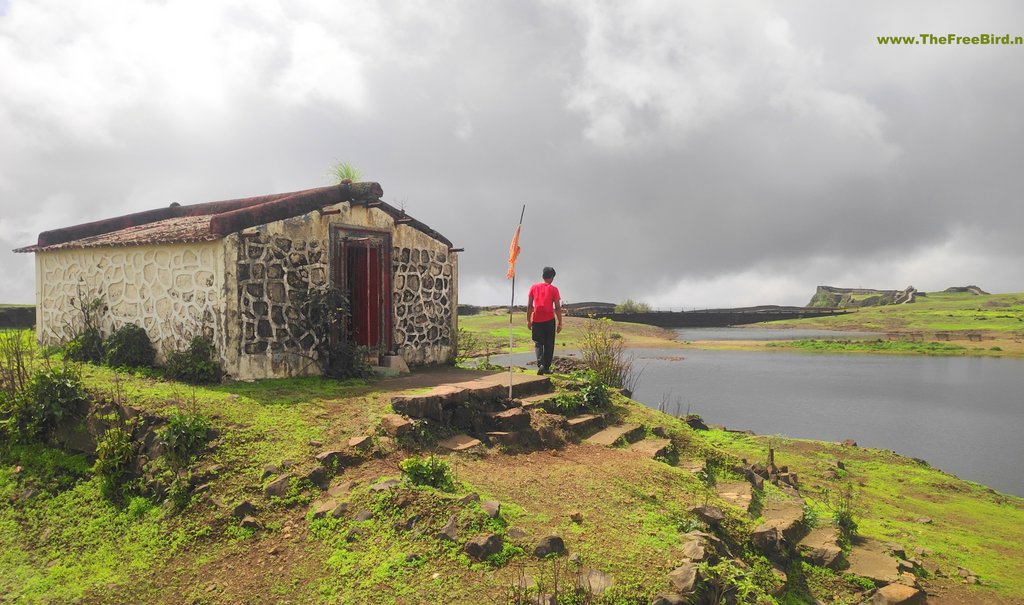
(214,220)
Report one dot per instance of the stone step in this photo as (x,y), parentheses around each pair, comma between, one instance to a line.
(821,546)
(503,437)
(459,443)
(738,493)
(513,419)
(583,422)
(440,402)
(536,401)
(652,447)
(609,436)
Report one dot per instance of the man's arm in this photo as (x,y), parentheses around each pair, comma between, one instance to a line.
(558,314)
(529,312)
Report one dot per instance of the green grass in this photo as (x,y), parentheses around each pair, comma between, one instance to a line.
(973,526)
(954,312)
(872,346)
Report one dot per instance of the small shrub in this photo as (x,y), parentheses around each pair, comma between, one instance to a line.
(585,391)
(431,471)
(607,357)
(194,365)
(86,347)
(50,396)
(183,437)
(114,452)
(129,347)
(347,360)
(632,306)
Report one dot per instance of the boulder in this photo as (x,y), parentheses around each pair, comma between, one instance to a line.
(898,594)
(768,540)
(516,533)
(821,547)
(491,508)
(329,508)
(712,515)
(384,486)
(318,477)
(482,547)
(361,442)
(592,581)
(243,509)
(278,487)
(249,522)
(363,515)
(550,545)
(395,425)
(684,578)
(470,497)
(450,531)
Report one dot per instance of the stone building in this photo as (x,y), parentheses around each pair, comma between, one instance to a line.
(240,270)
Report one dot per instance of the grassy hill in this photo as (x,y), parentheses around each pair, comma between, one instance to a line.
(626,515)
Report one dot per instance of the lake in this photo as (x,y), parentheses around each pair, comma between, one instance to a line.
(963,415)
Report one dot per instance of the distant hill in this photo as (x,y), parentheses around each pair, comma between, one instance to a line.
(843,298)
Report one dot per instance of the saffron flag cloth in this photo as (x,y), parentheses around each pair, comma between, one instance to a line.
(513,254)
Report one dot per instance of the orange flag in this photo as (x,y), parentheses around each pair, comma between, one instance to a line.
(513,254)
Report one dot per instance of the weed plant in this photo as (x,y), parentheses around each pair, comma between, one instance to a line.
(430,471)
(183,437)
(195,364)
(129,347)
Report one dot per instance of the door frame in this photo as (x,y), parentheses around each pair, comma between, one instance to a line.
(339,236)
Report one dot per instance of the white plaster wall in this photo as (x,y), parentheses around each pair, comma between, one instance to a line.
(174,291)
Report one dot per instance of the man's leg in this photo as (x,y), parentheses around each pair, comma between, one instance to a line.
(538,346)
(549,345)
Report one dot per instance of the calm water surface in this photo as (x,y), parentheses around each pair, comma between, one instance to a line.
(963,415)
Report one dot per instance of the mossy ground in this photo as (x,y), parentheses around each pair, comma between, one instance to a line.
(66,543)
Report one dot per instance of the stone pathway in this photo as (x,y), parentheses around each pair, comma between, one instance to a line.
(737,493)
(871,559)
(459,443)
(610,435)
(652,447)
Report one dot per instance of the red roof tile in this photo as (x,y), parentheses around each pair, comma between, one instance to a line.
(214,220)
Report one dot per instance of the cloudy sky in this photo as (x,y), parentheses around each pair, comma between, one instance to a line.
(687,154)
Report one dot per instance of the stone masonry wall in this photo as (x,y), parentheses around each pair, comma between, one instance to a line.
(275,274)
(173,291)
(277,267)
(422,303)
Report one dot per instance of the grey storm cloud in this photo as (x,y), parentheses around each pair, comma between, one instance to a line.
(683,153)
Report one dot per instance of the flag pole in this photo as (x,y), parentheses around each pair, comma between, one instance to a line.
(511,306)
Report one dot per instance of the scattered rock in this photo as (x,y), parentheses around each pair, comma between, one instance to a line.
(694,550)
(768,540)
(592,581)
(550,545)
(395,425)
(659,431)
(249,522)
(340,490)
(695,422)
(871,560)
(318,477)
(243,509)
(278,487)
(384,486)
(576,516)
(459,443)
(363,515)
(410,523)
(848,443)
(670,599)
(450,531)
(898,594)
(516,533)
(316,444)
(287,464)
(821,547)
(361,442)
(491,508)
(712,515)
(329,508)
(684,578)
(269,470)
(470,497)
(480,548)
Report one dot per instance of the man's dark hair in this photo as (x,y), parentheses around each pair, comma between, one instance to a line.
(549,273)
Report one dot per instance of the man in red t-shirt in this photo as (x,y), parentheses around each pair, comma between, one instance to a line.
(542,308)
